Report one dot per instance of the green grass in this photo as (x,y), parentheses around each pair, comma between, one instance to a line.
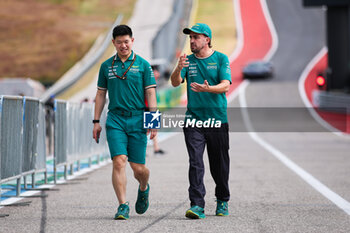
(45,38)
(219,15)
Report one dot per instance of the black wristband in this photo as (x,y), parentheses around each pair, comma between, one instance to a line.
(95,121)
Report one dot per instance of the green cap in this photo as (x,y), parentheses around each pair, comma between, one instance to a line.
(199,28)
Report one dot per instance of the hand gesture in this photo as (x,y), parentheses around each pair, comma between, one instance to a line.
(183,62)
(196,87)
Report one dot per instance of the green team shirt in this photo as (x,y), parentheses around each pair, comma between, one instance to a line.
(127,94)
(214,69)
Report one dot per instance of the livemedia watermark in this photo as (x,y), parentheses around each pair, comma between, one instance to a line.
(262,119)
(157,120)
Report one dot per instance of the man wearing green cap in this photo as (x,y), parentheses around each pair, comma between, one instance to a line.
(208,77)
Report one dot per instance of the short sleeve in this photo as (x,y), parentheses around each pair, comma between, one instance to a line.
(102,79)
(225,69)
(148,78)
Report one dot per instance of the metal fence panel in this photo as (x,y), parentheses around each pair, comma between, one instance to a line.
(11,136)
(30,133)
(86,141)
(40,158)
(73,131)
(82,131)
(60,132)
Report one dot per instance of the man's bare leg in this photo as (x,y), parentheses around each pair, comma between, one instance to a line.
(141,174)
(119,177)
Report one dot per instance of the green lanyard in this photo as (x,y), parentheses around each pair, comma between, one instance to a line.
(123,76)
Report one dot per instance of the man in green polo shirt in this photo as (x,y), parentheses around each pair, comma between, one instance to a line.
(128,79)
(208,76)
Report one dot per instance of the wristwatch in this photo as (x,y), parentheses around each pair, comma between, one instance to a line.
(95,121)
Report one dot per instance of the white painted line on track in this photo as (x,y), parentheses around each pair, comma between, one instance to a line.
(307,103)
(307,177)
(233,95)
(239,45)
(240,38)
(272,29)
(239,30)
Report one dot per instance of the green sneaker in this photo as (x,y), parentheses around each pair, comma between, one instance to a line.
(195,212)
(142,203)
(123,212)
(221,208)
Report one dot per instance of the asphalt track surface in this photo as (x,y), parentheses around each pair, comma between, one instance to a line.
(323,155)
(301,33)
(267,193)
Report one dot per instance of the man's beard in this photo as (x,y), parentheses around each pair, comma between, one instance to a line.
(196,50)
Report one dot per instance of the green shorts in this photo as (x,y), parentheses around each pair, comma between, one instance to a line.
(126,136)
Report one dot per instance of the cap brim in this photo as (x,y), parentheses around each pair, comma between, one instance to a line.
(188,31)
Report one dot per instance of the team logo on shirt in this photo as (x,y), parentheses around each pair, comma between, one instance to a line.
(212,66)
(135,69)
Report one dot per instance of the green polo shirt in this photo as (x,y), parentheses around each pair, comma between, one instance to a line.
(214,69)
(127,94)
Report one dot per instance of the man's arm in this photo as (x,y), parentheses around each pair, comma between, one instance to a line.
(176,75)
(100,101)
(222,87)
(152,104)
